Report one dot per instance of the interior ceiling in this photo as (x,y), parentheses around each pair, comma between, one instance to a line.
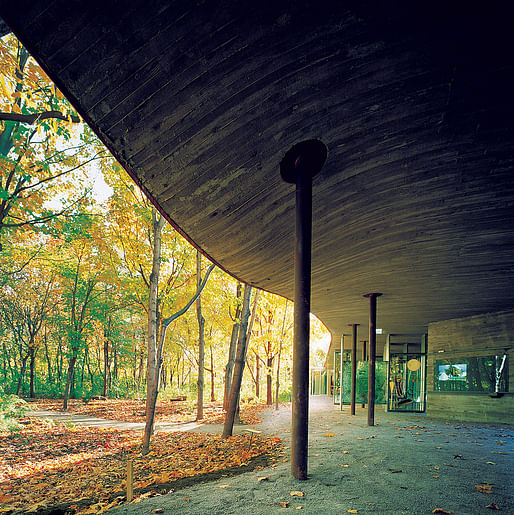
(201,100)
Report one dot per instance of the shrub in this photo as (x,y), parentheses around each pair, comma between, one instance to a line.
(11,408)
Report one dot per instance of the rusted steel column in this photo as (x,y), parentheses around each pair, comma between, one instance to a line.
(299,165)
(341,380)
(363,359)
(372,353)
(354,366)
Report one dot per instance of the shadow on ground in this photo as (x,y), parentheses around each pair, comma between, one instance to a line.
(406,464)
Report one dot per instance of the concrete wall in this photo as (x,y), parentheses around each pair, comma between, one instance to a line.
(479,335)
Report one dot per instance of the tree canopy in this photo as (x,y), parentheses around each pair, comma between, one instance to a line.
(77,271)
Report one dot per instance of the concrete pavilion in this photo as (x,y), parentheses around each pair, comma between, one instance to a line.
(200,101)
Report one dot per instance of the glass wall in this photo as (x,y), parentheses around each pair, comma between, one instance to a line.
(361,390)
(472,374)
(318,382)
(337,377)
(406,382)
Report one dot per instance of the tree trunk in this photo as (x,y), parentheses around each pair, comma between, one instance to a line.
(60,359)
(106,366)
(22,373)
(164,377)
(269,371)
(156,340)
(32,393)
(213,376)
(91,376)
(152,368)
(232,350)
(277,382)
(114,376)
(83,371)
(48,361)
(257,376)
(201,339)
(140,369)
(238,365)
(69,381)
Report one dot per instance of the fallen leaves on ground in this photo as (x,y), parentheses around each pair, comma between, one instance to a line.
(167,411)
(485,488)
(440,510)
(47,464)
(296,493)
(493,506)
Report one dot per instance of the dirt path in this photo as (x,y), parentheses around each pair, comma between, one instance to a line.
(406,464)
(84,420)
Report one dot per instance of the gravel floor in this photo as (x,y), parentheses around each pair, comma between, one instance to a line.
(405,464)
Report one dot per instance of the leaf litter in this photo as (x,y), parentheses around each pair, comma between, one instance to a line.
(83,469)
(166,410)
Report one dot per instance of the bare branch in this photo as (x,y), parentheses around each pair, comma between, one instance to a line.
(33,118)
(30,186)
(44,219)
(167,321)
(141,271)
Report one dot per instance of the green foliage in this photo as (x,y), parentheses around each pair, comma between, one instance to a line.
(75,287)
(11,408)
(285,395)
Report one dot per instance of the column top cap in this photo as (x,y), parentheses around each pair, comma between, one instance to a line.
(374,294)
(311,153)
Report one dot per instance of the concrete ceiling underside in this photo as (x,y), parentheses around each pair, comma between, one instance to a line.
(201,100)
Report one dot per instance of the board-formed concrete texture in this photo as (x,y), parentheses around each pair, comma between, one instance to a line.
(200,101)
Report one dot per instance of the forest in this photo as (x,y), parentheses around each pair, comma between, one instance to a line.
(99,294)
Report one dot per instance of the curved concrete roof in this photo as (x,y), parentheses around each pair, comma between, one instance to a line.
(200,101)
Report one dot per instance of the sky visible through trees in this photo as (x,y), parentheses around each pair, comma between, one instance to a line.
(78,247)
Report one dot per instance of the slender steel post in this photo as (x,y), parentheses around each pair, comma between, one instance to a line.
(341,373)
(342,351)
(364,357)
(372,354)
(354,366)
(299,165)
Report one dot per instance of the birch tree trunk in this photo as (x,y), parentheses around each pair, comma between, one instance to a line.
(152,369)
(238,365)
(232,350)
(201,339)
(155,347)
(277,382)
(257,376)
(213,376)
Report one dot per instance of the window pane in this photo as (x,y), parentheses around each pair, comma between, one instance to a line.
(472,374)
